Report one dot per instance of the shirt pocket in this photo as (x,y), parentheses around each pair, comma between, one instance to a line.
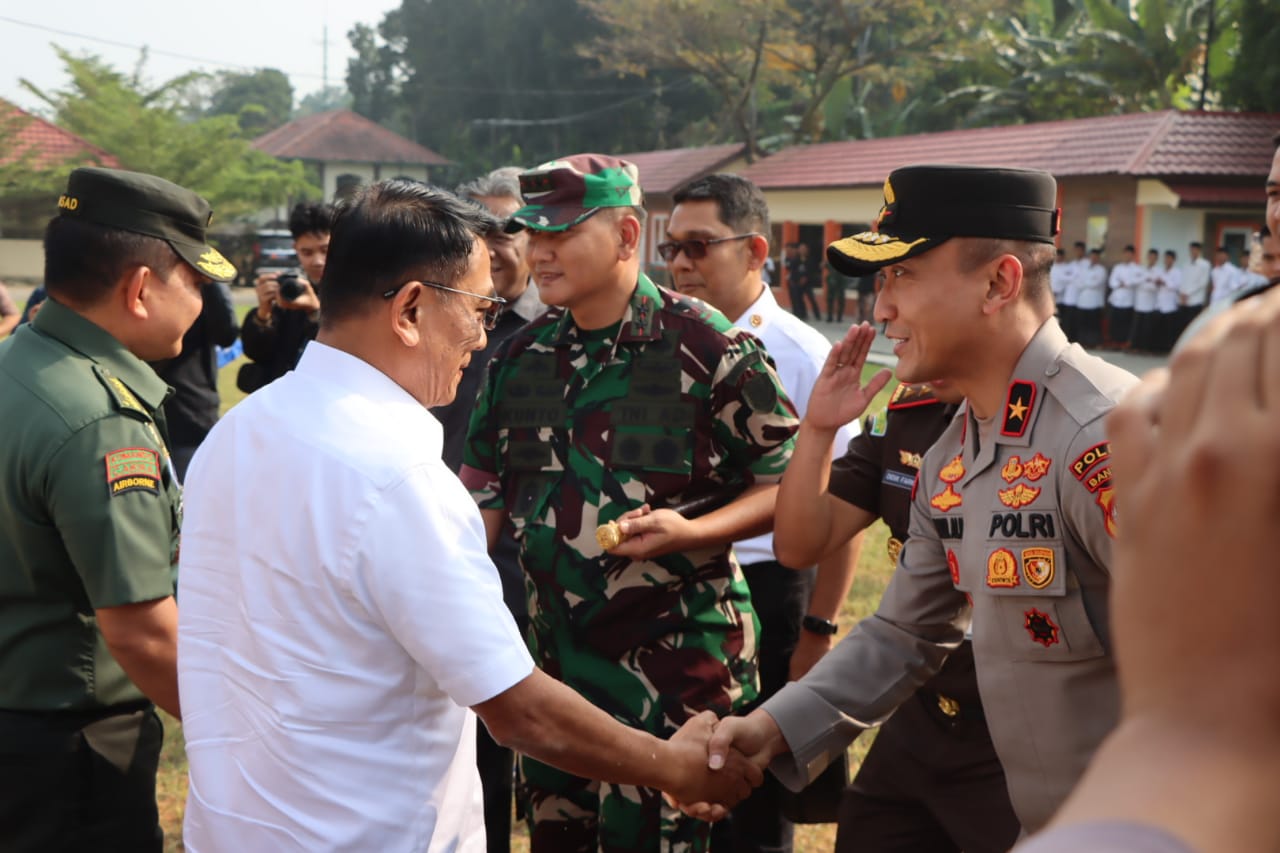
(1039,604)
(653,437)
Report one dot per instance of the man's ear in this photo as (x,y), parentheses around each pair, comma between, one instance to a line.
(405,313)
(1004,283)
(758,246)
(629,230)
(134,288)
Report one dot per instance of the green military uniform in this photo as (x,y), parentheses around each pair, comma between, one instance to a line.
(89,518)
(575,428)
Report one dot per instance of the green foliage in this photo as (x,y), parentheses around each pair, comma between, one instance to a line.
(1252,78)
(146,129)
(261,101)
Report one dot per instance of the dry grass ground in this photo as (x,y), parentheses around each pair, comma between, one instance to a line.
(873,573)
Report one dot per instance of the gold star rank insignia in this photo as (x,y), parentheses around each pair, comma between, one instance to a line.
(1018,408)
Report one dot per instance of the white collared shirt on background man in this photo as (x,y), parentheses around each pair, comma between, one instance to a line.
(1092,287)
(339,617)
(1125,279)
(1170,287)
(1195,282)
(798,351)
(1226,281)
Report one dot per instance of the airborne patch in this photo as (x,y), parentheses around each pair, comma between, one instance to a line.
(1040,627)
(1018,496)
(1038,567)
(1002,569)
(133,469)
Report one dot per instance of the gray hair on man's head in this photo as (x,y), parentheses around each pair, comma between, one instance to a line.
(503,182)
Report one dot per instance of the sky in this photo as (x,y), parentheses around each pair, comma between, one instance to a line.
(223,35)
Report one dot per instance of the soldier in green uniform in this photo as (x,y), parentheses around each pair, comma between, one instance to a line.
(89,515)
(625,396)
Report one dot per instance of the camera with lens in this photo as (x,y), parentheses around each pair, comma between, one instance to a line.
(291,287)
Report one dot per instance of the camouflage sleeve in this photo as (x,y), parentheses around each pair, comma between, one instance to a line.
(108,493)
(754,419)
(481,456)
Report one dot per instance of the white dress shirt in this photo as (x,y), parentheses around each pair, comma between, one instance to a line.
(1091,287)
(339,615)
(1144,300)
(1170,287)
(1226,281)
(798,351)
(1125,279)
(1195,282)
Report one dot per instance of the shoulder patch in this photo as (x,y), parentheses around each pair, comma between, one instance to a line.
(1088,460)
(905,396)
(132,469)
(878,423)
(1018,408)
(120,393)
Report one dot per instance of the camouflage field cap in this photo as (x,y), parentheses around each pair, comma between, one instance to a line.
(560,194)
(145,204)
(925,206)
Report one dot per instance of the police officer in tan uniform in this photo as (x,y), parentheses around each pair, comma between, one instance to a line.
(1012,511)
(89,515)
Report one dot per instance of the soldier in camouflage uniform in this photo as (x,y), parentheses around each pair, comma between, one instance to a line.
(623,397)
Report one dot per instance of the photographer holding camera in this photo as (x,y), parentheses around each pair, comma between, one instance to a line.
(288,313)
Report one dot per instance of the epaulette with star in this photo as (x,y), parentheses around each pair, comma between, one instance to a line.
(908,396)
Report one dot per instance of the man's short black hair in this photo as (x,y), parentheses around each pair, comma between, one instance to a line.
(1129,248)
(1079,244)
(393,232)
(84,260)
(311,218)
(741,204)
(1222,249)
(1061,252)
(1153,252)
(1195,244)
(1170,253)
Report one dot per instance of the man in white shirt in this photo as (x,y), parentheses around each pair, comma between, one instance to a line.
(1225,275)
(1091,295)
(341,615)
(1168,293)
(1195,286)
(1125,279)
(1072,275)
(717,244)
(1144,305)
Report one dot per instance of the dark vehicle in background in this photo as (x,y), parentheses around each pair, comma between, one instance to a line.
(272,252)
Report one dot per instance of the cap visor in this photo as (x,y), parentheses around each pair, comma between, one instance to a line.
(206,260)
(862,254)
(541,218)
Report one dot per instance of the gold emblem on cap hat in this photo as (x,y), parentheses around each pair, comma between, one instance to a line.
(214,264)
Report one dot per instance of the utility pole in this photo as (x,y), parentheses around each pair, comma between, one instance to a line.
(1204,71)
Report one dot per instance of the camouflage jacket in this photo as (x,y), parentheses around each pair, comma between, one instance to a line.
(574,428)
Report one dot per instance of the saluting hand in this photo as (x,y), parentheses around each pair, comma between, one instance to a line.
(839,395)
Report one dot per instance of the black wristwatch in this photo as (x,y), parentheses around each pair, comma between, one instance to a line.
(819,626)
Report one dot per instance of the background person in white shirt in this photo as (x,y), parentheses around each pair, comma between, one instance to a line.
(341,615)
(1168,293)
(708,258)
(1072,274)
(1091,295)
(1126,276)
(1144,305)
(1195,287)
(1225,275)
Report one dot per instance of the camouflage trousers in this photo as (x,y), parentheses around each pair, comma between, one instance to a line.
(568,814)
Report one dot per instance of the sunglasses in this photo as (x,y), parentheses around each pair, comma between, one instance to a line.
(491,314)
(695,250)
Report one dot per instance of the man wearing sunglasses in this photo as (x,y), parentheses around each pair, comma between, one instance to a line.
(623,401)
(716,250)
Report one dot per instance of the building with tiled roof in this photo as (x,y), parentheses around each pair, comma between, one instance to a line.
(664,172)
(1156,180)
(350,150)
(42,145)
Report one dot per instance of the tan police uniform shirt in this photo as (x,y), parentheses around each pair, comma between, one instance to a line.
(1019,521)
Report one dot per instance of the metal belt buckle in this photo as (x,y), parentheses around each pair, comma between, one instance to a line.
(948,706)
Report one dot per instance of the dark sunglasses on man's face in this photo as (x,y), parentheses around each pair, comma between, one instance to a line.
(491,314)
(695,250)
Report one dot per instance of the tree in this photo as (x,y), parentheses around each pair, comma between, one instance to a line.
(260,101)
(1253,82)
(144,128)
(323,100)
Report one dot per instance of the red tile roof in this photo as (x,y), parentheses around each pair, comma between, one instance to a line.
(664,172)
(46,144)
(1155,144)
(344,135)
(1217,195)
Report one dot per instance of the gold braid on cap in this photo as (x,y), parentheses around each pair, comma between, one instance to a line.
(871,246)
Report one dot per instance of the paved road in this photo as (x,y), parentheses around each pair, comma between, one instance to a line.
(882,351)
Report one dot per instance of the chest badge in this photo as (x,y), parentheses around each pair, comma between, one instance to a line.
(1038,567)
(1002,569)
(948,499)
(1018,496)
(894,547)
(1041,628)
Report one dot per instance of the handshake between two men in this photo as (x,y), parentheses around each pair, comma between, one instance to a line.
(736,752)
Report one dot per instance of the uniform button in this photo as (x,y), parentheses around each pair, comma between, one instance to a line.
(1052,370)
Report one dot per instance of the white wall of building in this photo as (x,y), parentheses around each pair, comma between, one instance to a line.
(1169,228)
